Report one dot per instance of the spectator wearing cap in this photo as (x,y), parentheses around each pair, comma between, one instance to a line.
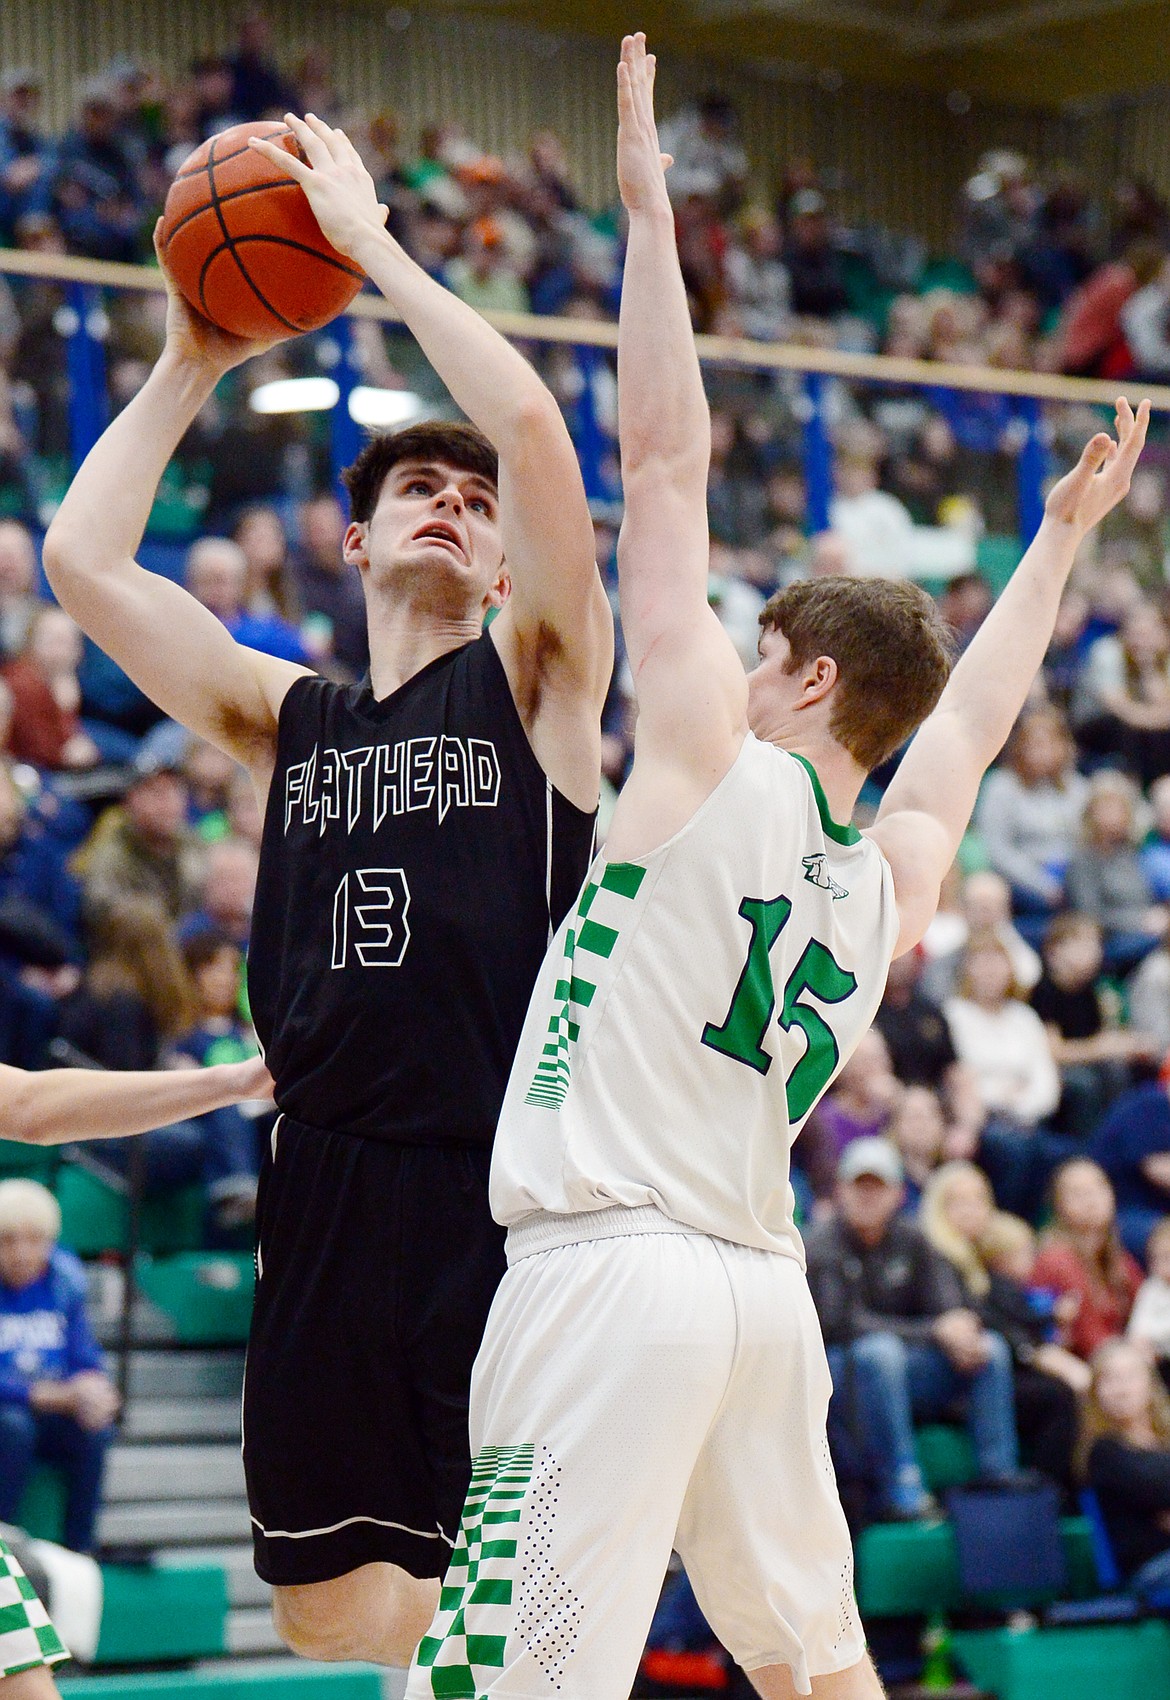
(481,274)
(56,1401)
(96,193)
(903,1345)
(145,847)
(216,574)
(24,152)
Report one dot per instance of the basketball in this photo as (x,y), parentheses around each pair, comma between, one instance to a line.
(241,241)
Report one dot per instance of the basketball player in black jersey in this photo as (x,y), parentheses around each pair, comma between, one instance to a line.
(425,832)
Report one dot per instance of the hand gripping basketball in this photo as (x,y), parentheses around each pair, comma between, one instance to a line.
(241,241)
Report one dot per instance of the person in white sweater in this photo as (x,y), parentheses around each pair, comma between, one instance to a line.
(1149,1320)
(1006,1048)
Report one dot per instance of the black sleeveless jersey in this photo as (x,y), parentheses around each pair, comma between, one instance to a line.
(414,865)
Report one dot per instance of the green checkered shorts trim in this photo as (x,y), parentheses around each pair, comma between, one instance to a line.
(27,1638)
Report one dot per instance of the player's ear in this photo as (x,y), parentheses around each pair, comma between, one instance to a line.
(355,545)
(500,590)
(817,679)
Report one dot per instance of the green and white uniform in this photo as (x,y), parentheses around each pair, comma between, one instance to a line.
(27,1638)
(652,1373)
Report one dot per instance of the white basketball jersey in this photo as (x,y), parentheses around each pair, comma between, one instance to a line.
(692,1009)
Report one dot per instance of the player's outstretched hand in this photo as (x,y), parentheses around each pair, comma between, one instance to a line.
(341,191)
(194,338)
(641,165)
(1101,477)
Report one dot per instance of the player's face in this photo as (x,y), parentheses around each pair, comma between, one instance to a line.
(772,690)
(441,522)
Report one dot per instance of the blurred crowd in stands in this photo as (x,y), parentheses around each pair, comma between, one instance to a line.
(985,1189)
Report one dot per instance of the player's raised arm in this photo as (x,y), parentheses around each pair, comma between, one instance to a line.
(63,1104)
(691,688)
(557,603)
(929,802)
(171,646)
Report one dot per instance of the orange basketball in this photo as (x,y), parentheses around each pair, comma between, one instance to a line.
(241,241)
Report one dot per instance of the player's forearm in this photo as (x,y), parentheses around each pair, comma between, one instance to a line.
(990,684)
(493,384)
(63,1104)
(663,418)
(104,514)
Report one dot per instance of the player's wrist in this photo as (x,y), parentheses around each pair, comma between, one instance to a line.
(371,243)
(195,371)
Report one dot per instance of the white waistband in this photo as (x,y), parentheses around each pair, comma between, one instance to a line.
(544,1230)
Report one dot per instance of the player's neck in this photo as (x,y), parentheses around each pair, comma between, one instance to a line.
(405,639)
(840,776)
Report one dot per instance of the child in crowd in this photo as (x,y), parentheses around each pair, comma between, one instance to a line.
(1106,879)
(1149,1320)
(56,1401)
(1081,1015)
(220,1034)
(1009,1250)
(918,1131)
(1081,1257)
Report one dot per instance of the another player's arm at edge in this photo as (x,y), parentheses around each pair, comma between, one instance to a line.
(555,632)
(690,684)
(925,811)
(171,646)
(62,1104)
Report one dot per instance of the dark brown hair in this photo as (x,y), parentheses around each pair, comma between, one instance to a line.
(461,446)
(892,647)
(132,950)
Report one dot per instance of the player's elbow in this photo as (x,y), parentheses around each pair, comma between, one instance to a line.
(535,422)
(64,555)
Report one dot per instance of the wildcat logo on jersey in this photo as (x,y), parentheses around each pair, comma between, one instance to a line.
(815,874)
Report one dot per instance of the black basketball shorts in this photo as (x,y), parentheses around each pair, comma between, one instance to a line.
(376,1268)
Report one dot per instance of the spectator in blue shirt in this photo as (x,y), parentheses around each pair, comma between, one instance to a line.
(216,574)
(56,1401)
(1132,1145)
(96,191)
(1155,852)
(33,866)
(24,151)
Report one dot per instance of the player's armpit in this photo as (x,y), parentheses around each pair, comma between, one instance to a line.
(176,651)
(692,695)
(557,606)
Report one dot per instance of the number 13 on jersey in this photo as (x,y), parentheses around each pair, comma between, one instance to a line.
(740,1035)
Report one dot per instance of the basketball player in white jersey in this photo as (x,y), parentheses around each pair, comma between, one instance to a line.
(652,1374)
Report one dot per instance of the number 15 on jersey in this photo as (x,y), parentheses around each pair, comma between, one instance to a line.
(740,1035)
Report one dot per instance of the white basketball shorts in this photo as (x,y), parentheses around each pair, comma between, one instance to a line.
(638,1391)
